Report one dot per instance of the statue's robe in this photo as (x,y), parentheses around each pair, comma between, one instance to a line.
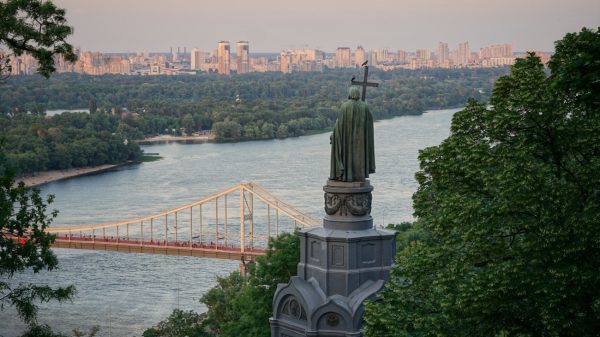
(352,146)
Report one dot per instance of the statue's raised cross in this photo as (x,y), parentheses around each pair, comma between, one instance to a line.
(364,83)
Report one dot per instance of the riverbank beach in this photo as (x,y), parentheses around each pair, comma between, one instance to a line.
(41,178)
(209,137)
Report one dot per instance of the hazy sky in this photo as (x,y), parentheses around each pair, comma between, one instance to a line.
(273,25)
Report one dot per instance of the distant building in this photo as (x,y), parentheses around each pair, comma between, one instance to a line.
(401,56)
(497,55)
(343,57)
(243,57)
(382,55)
(306,60)
(174,55)
(463,54)
(197,58)
(360,56)
(314,55)
(423,54)
(223,58)
(372,58)
(495,51)
(285,62)
(442,55)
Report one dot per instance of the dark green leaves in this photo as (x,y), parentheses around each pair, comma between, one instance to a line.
(241,306)
(509,211)
(38,28)
(24,244)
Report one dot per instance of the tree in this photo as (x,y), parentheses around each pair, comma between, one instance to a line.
(180,323)
(508,209)
(254,303)
(93,107)
(35,27)
(24,244)
(46,331)
(189,124)
(241,306)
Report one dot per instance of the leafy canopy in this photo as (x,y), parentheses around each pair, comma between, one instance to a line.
(508,211)
(24,244)
(179,323)
(35,27)
(239,305)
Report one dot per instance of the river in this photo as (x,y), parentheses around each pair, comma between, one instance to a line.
(127,293)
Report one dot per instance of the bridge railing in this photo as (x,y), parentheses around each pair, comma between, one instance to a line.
(208,223)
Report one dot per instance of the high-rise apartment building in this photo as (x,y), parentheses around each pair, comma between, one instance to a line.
(497,50)
(223,58)
(174,55)
(443,55)
(359,56)
(343,57)
(464,54)
(382,55)
(314,55)
(301,60)
(372,58)
(401,56)
(243,57)
(423,54)
(285,61)
(197,58)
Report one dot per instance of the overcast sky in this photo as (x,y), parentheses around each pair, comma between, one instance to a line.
(273,25)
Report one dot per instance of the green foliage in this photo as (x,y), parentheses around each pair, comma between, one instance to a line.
(179,324)
(41,331)
(93,331)
(35,27)
(220,302)
(44,330)
(147,159)
(241,306)
(408,232)
(508,208)
(273,104)
(25,245)
(35,143)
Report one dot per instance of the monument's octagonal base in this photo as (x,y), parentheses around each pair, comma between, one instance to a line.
(341,265)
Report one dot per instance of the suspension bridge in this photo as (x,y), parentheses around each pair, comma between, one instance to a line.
(235,223)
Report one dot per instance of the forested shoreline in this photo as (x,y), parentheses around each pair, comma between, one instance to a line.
(243,107)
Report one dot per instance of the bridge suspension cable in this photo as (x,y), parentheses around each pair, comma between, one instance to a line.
(202,228)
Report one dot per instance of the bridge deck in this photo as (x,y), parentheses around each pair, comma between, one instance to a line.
(179,249)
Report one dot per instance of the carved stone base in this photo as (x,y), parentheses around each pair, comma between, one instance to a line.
(348,205)
(342,264)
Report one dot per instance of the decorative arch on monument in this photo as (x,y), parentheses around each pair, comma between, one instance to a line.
(292,308)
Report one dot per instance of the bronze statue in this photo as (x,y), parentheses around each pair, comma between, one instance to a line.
(352,146)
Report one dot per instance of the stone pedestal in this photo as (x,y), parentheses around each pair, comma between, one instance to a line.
(341,265)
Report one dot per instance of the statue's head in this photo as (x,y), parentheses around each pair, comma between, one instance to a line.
(354,93)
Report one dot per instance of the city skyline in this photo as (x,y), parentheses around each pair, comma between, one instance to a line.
(272,26)
(223,61)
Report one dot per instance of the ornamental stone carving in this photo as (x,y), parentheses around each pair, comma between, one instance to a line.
(292,308)
(342,204)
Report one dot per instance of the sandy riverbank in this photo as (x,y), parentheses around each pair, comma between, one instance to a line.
(41,178)
(169,138)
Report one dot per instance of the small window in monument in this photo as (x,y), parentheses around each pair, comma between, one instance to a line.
(333,319)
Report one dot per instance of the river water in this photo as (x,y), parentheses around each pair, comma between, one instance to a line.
(127,293)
